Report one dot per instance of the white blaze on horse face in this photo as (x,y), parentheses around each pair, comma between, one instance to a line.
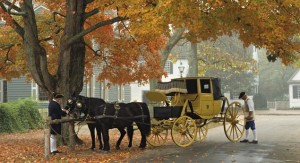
(82,115)
(70,101)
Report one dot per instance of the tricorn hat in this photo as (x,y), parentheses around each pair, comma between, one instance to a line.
(58,95)
(241,95)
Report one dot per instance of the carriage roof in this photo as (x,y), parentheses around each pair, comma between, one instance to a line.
(190,85)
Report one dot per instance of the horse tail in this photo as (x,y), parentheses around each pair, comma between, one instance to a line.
(147,120)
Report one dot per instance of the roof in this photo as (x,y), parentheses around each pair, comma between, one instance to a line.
(295,79)
(208,77)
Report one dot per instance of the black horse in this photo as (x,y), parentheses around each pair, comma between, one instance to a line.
(86,113)
(118,115)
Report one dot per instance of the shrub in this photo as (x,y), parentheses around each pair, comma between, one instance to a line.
(21,115)
(260,101)
(9,119)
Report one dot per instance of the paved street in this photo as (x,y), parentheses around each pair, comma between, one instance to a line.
(278,136)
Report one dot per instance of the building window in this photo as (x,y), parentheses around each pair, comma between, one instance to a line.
(38,93)
(296,91)
(169,67)
(42,95)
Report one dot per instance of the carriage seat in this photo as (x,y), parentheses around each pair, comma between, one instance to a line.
(157,97)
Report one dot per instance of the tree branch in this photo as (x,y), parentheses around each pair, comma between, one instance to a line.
(177,35)
(17,26)
(92,28)
(91,13)
(95,52)
(208,62)
(57,13)
(45,39)
(7,60)
(12,6)
(88,1)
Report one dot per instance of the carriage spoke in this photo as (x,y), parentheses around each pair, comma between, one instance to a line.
(239,129)
(232,132)
(188,137)
(201,133)
(236,131)
(236,110)
(228,128)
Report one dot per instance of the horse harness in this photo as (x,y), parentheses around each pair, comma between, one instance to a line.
(116,115)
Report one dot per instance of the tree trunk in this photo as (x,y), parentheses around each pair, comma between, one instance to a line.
(72,56)
(69,77)
(165,52)
(193,61)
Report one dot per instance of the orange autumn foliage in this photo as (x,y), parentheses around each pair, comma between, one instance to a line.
(129,50)
(119,52)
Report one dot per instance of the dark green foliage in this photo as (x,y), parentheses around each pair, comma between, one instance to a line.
(260,101)
(21,115)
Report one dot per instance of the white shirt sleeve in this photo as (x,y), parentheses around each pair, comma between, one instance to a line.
(250,105)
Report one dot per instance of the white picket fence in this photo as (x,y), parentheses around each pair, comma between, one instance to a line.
(278,105)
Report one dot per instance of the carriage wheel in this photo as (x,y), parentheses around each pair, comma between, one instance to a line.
(234,122)
(201,131)
(184,131)
(158,135)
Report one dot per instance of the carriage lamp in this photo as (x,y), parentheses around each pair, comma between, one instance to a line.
(181,69)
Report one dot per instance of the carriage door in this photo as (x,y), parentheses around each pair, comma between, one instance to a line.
(206,97)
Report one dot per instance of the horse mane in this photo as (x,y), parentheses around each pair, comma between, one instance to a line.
(91,104)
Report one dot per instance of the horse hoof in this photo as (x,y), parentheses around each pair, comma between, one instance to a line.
(118,148)
(104,151)
(92,149)
(142,148)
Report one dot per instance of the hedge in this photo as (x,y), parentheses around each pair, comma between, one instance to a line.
(20,115)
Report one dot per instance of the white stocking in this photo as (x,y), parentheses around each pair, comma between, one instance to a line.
(246,134)
(52,143)
(254,135)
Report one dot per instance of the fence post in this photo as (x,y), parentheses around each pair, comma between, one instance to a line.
(47,138)
(71,134)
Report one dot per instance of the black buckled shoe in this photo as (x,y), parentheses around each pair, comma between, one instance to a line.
(55,152)
(254,142)
(244,141)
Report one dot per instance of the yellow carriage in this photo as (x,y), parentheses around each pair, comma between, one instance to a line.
(185,106)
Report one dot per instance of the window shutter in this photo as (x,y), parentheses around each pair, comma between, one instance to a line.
(295,91)
(171,68)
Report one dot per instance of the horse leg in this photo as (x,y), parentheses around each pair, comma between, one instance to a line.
(123,133)
(92,132)
(130,134)
(98,128)
(105,134)
(143,135)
